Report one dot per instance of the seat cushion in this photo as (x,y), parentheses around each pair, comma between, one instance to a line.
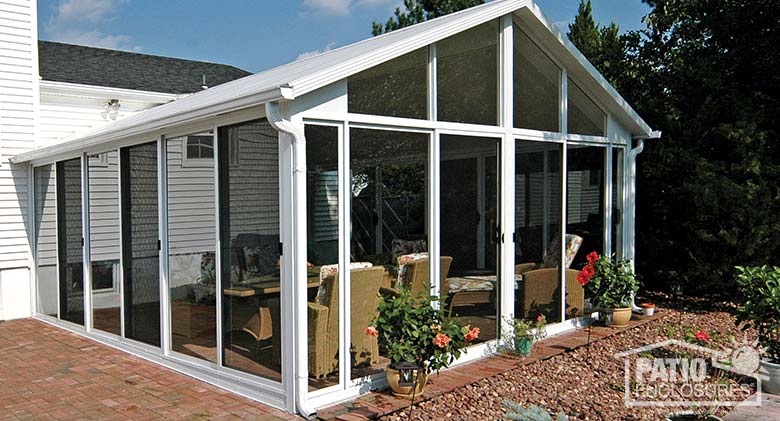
(471,283)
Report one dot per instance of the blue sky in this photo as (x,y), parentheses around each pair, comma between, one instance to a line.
(252,34)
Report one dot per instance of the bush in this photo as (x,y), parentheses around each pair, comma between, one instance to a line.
(517,412)
(760,287)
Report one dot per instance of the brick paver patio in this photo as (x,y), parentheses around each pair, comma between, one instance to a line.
(49,373)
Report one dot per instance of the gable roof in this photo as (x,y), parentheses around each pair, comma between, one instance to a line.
(298,78)
(61,62)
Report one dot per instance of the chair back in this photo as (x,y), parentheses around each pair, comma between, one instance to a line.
(553,256)
(416,278)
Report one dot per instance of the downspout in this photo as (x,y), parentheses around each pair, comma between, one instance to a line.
(276,118)
(632,155)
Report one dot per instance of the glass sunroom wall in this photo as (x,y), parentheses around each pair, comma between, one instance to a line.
(45,239)
(250,256)
(617,203)
(104,235)
(585,199)
(537,84)
(538,209)
(192,245)
(323,245)
(140,247)
(70,237)
(469,226)
(584,116)
(467,76)
(397,88)
(389,229)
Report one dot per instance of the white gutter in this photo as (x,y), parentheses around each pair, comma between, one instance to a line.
(632,155)
(278,121)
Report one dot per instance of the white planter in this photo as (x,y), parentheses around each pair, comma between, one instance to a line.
(770,377)
(648,311)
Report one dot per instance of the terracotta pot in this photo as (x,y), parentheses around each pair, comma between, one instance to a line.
(648,309)
(620,317)
(393,378)
(770,377)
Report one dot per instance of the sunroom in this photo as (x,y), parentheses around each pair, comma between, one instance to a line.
(243,234)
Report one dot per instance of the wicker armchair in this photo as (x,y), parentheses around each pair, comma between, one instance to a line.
(415,276)
(541,293)
(324,322)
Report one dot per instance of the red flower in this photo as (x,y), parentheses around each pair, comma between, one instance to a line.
(540,318)
(471,335)
(441,340)
(589,271)
(593,257)
(702,336)
(582,279)
(371,331)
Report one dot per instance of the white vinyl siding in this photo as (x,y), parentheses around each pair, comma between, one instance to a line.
(104,208)
(18,98)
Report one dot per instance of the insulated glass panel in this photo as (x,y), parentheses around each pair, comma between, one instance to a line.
(191,252)
(467,69)
(71,254)
(537,82)
(46,239)
(397,88)
(103,174)
(251,278)
(584,213)
(140,233)
(469,231)
(585,117)
(538,192)
(617,202)
(322,216)
(389,244)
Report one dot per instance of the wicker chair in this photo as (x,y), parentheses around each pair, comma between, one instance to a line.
(541,292)
(415,276)
(324,322)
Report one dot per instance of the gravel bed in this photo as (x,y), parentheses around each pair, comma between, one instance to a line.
(587,383)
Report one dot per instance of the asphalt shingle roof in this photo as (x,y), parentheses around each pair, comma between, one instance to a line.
(122,69)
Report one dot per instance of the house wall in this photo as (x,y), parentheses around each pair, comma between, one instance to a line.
(18,100)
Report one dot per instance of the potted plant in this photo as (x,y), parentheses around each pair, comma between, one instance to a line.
(760,287)
(526,332)
(417,338)
(648,309)
(611,285)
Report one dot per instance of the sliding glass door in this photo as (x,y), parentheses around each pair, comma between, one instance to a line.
(70,240)
(140,247)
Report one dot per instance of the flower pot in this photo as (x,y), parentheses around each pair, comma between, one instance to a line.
(523,346)
(690,416)
(769,373)
(620,317)
(648,309)
(394,377)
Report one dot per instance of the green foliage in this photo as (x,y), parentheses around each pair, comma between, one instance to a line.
(604,47)
(760,287)
(515,411)
(708,192)
(613,283)
(407,328)
(417,11)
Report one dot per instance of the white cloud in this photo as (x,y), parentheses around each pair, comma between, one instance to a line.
(343,7)
(307,54)
(81,22)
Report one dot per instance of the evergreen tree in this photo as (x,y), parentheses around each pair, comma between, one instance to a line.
(584,32)
(417,11)
(603,46)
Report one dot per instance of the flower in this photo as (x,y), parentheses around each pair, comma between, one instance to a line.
(593,257)
(471,335)
(582,279)
(441,340)
(540,318)
(371,331)
(589,271)
(435,328)
(701,336)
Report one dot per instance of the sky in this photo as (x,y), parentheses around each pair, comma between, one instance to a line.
(254,35)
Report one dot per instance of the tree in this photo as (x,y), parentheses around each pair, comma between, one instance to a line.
(421,10)
(603,46)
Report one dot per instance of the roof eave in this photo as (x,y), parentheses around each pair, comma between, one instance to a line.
(152,128)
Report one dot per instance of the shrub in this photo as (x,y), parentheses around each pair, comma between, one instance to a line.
(517,412)
(760,287)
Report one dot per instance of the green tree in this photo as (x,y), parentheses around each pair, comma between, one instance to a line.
(417,11)
(603,46)
(585,33)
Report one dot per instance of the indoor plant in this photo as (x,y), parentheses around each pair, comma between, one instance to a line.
(760,288)
(611,285)
(413,332)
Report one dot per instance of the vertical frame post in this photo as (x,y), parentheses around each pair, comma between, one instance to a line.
(162,215)
(120,221)
(218,242)
(564,184)
(506,189)
(86,242)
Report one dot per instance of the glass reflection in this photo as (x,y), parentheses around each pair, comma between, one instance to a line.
(191,245)
(70,237)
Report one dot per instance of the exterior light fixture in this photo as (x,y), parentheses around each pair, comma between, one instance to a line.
(406,374)
(111,110)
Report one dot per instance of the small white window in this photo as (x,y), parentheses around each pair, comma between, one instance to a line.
(198,150)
